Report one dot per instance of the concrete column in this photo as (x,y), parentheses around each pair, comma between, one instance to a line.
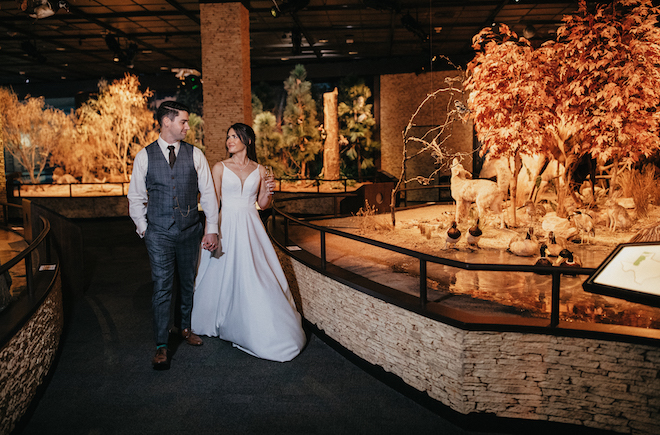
(225,34)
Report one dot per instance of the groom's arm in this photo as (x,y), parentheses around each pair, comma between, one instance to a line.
(207,198)
(137,192)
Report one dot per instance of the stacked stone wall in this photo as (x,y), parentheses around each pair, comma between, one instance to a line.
(27,357)
(593,383)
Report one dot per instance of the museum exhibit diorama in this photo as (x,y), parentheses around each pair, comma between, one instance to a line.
(486,229)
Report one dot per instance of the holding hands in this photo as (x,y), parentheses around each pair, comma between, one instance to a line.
(210,242)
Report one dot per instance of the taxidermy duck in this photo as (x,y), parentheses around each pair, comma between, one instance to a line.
(453,236)
(554,248)
(567,259)
(524,247)
(543,260)
(474,234)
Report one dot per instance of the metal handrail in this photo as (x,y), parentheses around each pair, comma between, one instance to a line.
(72,186)
(26,254)
(554,271)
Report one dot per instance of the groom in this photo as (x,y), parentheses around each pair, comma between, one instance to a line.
(162,199)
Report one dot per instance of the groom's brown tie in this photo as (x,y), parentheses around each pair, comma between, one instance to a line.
(172,155)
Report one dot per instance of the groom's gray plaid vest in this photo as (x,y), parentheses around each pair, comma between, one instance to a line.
(172,191)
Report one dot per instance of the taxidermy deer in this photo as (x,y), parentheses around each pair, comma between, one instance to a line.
(465,191)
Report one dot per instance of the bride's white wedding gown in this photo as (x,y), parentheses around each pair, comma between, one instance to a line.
(241,293)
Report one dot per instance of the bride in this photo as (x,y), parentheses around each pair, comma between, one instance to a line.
(241,293)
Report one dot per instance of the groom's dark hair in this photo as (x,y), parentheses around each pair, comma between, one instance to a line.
(171,110)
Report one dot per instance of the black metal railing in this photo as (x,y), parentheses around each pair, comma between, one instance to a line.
(41,244)
(555,271)
(73,190)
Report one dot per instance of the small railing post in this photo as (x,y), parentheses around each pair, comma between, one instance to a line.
(286,231)
(554,310)
(422,282)
(323,259)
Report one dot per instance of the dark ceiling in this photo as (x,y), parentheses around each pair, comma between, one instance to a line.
(151,38)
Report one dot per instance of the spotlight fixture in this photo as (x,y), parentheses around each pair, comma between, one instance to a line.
(287,7)
(529,31)
(124,56)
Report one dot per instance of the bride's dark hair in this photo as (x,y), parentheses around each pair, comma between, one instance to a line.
(247,136)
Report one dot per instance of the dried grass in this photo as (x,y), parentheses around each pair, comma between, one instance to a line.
(370,221)
(642,187)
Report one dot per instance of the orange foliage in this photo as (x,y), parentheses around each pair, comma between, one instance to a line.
(595,90)
(610,82)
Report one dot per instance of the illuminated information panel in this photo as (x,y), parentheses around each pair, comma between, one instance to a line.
(630,272)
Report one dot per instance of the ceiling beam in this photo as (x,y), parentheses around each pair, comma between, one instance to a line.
(116,31)
(193,16)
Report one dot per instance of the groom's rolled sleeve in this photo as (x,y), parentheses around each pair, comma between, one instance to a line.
(207,198)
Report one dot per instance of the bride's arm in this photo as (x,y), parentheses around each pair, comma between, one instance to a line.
(265,196)
(216,173)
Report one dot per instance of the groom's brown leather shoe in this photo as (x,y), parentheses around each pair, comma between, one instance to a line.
(191,338)
(161,360)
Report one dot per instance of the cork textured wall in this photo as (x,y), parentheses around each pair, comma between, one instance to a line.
(225,32)
(595,383)
(400,97)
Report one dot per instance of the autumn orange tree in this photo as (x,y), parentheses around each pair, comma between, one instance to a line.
(509,99)
(594,91)
(31,131)
(115,125)
(609,80)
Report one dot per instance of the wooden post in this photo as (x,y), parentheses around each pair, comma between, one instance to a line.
(331,148)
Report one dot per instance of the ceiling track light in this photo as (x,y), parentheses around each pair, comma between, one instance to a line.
(287,7)
(529,31)
(125,56)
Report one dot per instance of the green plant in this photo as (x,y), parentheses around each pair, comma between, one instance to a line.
(299,123)
(270,143)
(356,124)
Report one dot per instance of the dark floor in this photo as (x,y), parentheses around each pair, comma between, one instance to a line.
(103,382)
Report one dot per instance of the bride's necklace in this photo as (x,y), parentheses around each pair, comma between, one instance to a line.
(244,166)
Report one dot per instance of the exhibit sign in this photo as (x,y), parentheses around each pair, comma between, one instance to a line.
(630,272)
